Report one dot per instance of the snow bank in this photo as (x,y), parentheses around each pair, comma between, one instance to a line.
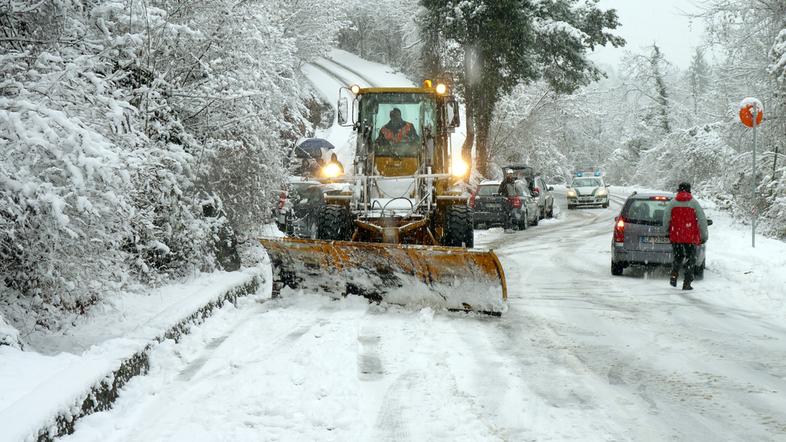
(41,395)
(9,336)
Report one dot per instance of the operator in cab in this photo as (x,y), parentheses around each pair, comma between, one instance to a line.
(397,131)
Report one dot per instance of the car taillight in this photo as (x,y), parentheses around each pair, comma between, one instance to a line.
(282,200)
(536,190)
(619,229)
(472,201)
(515,202)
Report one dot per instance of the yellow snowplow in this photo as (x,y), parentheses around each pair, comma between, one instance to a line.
(410,275)
(397,228)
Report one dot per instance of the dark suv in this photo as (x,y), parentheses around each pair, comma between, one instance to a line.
(640,237)
(492,209)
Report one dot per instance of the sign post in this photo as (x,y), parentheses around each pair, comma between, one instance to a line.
(751,115)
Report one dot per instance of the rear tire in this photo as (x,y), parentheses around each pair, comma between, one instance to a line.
(524,222)
(617,268)
(550,213)
(458,227)
(699,273)
(536,221)
(334,223)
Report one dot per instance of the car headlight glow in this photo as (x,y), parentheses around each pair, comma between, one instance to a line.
(601,192)
(331,170)
(460,168)
(571,193)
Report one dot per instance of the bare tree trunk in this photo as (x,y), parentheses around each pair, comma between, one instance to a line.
(482,145)
(470,108)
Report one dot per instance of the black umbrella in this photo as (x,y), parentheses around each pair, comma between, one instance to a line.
(312,148)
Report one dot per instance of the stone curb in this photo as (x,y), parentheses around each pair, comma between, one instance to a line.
(103,394)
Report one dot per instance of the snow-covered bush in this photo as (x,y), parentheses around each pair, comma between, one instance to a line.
(697,155)
(8,334)
(133,134)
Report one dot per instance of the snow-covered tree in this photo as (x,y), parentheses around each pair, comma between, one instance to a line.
(505,43)
(133,133)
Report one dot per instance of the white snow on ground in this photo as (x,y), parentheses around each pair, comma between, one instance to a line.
(35,387)
(580,355)
(378,74)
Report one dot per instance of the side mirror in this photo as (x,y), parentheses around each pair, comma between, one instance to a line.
(551,188)
(453,117)
(607,185)
(346,115)
(567,186)
(709,222)
(343,111)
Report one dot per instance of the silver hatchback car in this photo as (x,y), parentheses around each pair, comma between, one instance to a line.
(639,235)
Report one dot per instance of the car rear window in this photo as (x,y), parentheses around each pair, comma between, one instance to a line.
(649,212)
(488,190)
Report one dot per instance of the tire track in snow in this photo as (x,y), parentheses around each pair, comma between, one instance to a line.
(352,70)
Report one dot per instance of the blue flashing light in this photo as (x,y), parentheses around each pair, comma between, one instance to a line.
(579,174)
(597,173)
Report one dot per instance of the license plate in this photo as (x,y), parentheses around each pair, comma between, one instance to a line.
(655,240)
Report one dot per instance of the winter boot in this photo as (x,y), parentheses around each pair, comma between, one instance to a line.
(686,286)
(673,279)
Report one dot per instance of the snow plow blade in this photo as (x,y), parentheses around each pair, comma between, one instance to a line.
(450,278)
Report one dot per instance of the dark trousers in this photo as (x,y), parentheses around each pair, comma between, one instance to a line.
(686,253)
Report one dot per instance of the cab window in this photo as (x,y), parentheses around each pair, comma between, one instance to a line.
(398,122)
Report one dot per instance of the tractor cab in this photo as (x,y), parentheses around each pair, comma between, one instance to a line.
(397,126)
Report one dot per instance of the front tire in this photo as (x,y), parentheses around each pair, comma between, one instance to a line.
(617,268)
(334,223)
(458,227)
(571,206)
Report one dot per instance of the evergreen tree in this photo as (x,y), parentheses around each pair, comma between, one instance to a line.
(661,94)
(698,79)
(507,42)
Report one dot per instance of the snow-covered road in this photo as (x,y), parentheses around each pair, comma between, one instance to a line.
(580,355)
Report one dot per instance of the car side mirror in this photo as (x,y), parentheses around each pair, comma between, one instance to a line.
(551,188)
(709,222)
(607,185)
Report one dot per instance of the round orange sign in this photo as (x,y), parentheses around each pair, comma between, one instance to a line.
(746,112)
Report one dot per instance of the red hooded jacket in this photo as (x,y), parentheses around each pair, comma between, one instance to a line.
(685,220)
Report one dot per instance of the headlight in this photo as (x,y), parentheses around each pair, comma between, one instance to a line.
(601,192)
(331,170)
(571,193)
(460,168)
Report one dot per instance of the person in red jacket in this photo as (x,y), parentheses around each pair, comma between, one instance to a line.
(687,226)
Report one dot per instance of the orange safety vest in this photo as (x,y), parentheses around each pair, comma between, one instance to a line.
(398,136)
